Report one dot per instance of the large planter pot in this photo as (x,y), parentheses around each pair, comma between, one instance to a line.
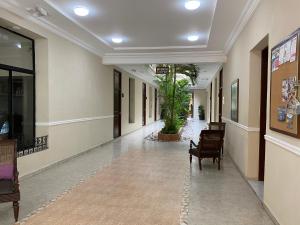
(202,117)
(170,137)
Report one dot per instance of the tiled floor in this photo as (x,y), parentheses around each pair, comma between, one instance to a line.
(258,188)
(216,197)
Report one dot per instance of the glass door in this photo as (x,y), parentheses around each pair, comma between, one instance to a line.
(23,126)
(4,104)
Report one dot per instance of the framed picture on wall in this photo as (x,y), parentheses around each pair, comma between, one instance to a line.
(235,101)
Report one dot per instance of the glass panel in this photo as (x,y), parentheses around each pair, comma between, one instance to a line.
(4,104)
(23,108)
(15,50)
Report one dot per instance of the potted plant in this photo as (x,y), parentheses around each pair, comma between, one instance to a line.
(201,112)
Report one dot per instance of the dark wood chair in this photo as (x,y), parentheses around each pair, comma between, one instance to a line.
(9,183)
(218,126)
(209,146)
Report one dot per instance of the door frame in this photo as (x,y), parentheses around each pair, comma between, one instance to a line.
(263,112)
(210,103)
(144,104)
(221,95)
(120,104)
(155,104)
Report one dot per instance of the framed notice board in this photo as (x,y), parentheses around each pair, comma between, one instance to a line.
(284,87)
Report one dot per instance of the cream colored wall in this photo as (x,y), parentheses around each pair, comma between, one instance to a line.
(130,127)
(71,84)
(208,104)
(200,98)
(275,19)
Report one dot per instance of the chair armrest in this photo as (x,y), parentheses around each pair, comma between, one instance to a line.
(193,144)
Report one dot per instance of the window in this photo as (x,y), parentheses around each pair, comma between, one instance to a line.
(150,101)
(17,88)
(131,100)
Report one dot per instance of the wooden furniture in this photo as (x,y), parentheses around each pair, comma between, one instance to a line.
(209,146)
(218,126)
(9,183)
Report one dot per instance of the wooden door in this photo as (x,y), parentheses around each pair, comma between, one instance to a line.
(210,103)
(263,113)
(144,103)
(155,105)
(117,103)
(221,96)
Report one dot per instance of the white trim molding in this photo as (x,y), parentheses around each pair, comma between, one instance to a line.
(246,128)
(164,57)
(246,15)
(159,47)
(283,144)
(64,122)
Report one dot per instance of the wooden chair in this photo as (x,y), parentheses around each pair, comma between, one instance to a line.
(209,146)
(9,183)
(218,126)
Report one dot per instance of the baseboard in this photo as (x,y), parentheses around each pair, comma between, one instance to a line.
(275,221)
(268,211)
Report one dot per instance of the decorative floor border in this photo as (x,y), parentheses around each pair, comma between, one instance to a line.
(58,197)
(184,212)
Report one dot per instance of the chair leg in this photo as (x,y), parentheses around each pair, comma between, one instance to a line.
(219,163)
(16,210)
(200,165)
(214,160)
(190,158)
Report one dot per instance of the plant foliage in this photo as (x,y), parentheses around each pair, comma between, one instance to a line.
(175,96)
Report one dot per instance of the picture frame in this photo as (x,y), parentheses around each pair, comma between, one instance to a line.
(235,101)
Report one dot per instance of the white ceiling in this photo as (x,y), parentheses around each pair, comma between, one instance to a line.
(147,26)
(154,31)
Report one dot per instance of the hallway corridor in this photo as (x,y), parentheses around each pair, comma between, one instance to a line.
(215,197)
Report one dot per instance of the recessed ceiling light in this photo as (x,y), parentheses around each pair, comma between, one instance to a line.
(117,40)
(19,45)
(81,11)
(192,4)
(193,38)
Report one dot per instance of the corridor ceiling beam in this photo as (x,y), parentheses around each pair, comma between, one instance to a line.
(167,57)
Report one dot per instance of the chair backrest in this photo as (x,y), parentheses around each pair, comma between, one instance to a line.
(211,140)
(216,126)
(8,159)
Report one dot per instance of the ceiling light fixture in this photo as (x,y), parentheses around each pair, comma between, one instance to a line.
(117,40)
(193,38)
(19,45)
(192,4)
(81,11)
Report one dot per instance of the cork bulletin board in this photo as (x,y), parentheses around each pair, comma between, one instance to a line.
(284,86)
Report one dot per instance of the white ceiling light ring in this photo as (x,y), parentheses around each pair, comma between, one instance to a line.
(81,11)
(192,4)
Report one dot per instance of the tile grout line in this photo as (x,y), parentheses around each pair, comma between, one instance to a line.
(185,198)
